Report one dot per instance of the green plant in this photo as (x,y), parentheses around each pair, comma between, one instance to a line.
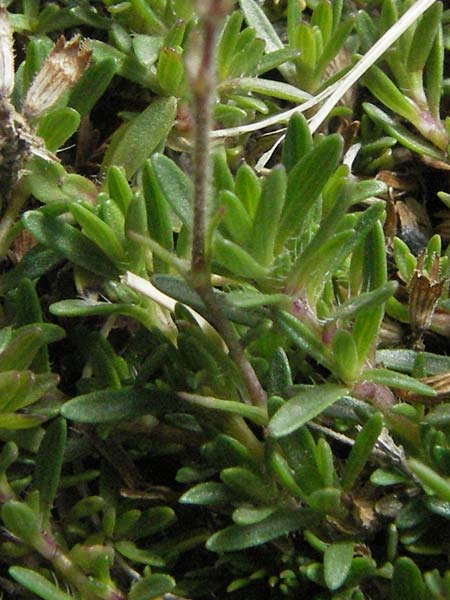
(219,377)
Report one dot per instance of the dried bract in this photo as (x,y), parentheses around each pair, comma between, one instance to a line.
(440,384)
(6,55)
(61,70)
(425,290)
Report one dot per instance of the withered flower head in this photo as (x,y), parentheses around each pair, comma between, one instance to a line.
(61,70)
(425,290)
(6,55)
(440,384)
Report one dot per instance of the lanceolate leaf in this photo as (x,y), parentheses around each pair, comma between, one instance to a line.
(397,380)
(407,581)
(337,561)
(303,407)
(133,144)
(49,462)
(257,19)
(107,406)
(277,524)
(69,242)
(305,182)
(38,584)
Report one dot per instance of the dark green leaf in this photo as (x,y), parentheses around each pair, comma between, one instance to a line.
(397,380)
(303,407)
(208,493)
(48,464)
(337,561)
(407,581)
(69,242)
(58,126)
(361,450)
(107,406)
(37,584)
(277,524)
(151,586)
(132,145)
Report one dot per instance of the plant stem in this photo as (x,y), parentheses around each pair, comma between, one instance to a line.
(19,196)
(203,84)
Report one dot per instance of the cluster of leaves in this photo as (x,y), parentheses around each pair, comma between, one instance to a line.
(281,430)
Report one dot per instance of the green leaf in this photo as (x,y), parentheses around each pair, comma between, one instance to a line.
(424,36)
(439,415)
(403,360)
(135,554)
(49,461)
(158,213)
(407,582)
(360,452)
(303,337)
(268,213)
(248,515)
(170,70)
(246,484)
(434,74)
(107,406)
(279,523)
(99,232)
(33,265)
(279,467)
(176,187)
(273,60)
(20,421)
(345,354)
(245,61)
(298,141)
(132,145)
(400,133)
(337,561)
(58,126)
(303,407)
(254,299)
(236,260)
(151,586)
(205,494)
(248,188)
(236,219)
(227,43)
(256,18)
(432,480)
(388,93)
(254,413)
(25,344)
(85,308)
(397,380)
(37,584)
(327,501)
(13,383)
(22,521)
(305,182)
(92,85)
(118,188)
(136,222)
(280,376)
(69,242)
(353,305)
(179,290)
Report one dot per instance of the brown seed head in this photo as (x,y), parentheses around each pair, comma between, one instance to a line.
(6,55)
(61,70)
(425,290)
